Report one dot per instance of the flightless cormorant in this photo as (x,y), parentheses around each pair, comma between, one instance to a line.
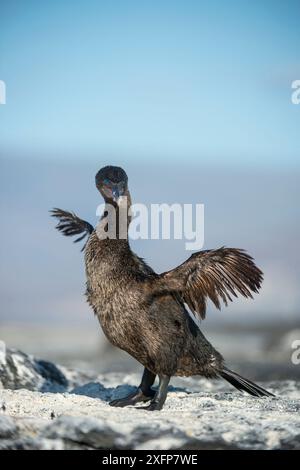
(143,312)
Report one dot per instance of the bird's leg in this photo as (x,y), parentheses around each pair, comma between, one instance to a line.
(160,397)
(143,393)
(147,382)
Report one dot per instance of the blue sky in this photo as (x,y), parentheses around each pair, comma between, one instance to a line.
(179,81)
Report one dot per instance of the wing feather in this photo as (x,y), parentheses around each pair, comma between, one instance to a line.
(70,224)
(218,275)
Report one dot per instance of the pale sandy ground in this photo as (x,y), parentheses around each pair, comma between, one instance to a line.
(44,406)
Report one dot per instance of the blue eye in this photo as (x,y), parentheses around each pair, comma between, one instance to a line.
(106,181)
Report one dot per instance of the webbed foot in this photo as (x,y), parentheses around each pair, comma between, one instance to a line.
(133,398)
(154,406)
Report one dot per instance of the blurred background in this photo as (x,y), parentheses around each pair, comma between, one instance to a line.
(193,99)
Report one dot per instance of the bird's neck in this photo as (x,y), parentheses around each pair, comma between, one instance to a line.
(115,220)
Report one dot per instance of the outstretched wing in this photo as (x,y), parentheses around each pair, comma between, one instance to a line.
(217,275)
(69,224)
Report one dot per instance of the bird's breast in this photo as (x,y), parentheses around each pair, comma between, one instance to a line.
(115,305)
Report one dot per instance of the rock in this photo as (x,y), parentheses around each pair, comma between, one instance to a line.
(8,427)
(89,431)
(46,406)
(19,370)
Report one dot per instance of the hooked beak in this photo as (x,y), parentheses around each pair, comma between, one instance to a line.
(115,194)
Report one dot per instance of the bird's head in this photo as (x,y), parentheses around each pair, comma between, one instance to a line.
(112,182)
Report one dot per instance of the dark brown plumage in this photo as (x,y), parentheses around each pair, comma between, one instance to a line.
(215,274)
(69,224)
(143,312)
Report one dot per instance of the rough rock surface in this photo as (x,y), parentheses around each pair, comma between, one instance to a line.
(44,406)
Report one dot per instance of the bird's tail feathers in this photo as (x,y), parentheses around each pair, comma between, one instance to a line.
(243,384)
